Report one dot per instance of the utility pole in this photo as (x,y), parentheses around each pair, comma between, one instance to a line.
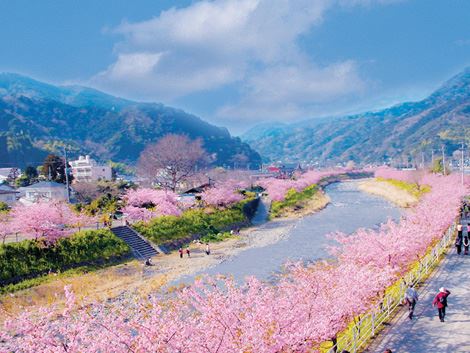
(422,159)
(432,158)
(461,162)
(443,160)
(67,175)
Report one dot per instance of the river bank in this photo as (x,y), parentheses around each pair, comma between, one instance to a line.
(388,191)
(307,207)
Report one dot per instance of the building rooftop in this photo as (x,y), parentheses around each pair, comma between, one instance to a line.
(45,184)
(4,192)
(6,187)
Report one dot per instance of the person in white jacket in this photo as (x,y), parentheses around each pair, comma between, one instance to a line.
(411,297)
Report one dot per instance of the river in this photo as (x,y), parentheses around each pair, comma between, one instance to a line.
(349,210)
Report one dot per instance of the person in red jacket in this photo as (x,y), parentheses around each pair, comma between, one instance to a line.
(440,301)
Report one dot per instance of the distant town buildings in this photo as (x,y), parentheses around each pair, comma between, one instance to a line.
(43,191)
(85,169)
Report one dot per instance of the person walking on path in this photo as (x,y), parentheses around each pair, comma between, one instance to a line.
(411,297)
(208,249)
(180,250)
(188,252)
(458,245)
(459,231)
(466,243)
(440,301)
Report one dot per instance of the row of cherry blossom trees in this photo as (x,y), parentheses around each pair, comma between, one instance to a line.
(144,204)
(43,220)
(308,305)
(277,188)
(409,176)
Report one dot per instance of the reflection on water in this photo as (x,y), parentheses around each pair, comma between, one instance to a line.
(349,210)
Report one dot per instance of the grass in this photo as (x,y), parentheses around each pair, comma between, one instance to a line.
(216,238)
(413,189)
(32,282)
(293,200)
(208,223)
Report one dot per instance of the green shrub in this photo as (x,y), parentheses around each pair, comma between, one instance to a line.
(215,238)
(167,228)
(4,207)
(29,258)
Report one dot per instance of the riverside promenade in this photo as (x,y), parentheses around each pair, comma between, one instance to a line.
(425,333)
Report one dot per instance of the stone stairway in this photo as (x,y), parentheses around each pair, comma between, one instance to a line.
(141,248)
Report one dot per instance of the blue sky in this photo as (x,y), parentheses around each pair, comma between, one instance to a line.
(241,62)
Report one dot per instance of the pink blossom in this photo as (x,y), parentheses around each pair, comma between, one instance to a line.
(42,220)
(308,305)
(223,194)
(144,204)
(277,188)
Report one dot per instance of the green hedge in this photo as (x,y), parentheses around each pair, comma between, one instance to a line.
(292,199)
(30,258)
(167,228)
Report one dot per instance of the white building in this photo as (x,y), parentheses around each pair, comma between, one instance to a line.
(86,169)
(43,191)
(5,173)
(8,194)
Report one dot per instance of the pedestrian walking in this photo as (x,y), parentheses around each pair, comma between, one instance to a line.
(458,245)
(180,250)
(440,301)
(411,298)
(188,252)
(208,249)
(459,230)
(466,243)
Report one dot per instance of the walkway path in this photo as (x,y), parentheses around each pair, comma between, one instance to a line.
(426,333)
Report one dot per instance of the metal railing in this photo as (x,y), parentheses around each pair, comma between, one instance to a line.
(366,326)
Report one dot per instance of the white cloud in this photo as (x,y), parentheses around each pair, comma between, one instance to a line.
(211,44)
(135,64)
(290,92)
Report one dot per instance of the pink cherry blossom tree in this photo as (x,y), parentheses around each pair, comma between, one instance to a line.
(144,204)
(42,220)
(5,226)
(224,194)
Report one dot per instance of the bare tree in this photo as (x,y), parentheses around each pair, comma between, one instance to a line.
(172,160)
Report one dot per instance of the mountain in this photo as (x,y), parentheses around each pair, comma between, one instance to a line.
(37,118)
(402,132)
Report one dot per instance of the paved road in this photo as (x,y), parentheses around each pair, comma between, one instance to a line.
(426,333)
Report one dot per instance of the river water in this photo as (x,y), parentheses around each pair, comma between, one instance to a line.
(349,210)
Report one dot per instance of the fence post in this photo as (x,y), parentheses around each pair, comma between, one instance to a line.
(354,339)
(373,323)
